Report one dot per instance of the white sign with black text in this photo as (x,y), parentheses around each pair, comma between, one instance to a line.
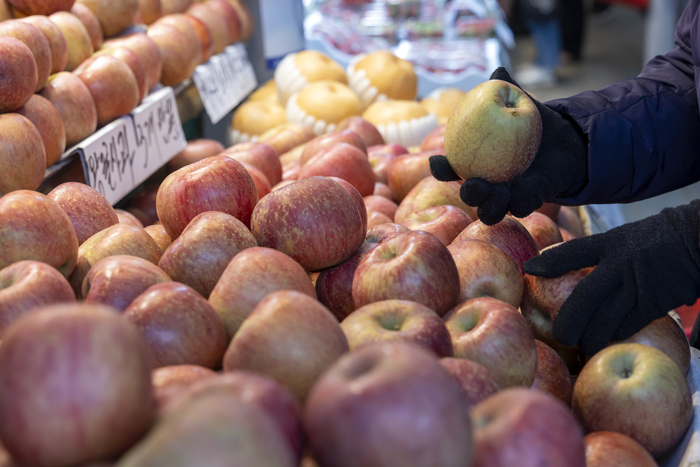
(159,134)
(224,81)
(122,155)
(109,159)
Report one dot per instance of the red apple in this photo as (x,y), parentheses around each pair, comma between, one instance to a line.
(334,285)
(114,17)
(666,335)
(216,183)
(543,230)
(610,449)
(542,300)
(327,141)
(215,23)
(147,51)
(445,222)
(35,227)
(179,55)
(195,151)
(91,23)
(57,42)
(392,148)
(635,390)
(77,38)
(73,101)
(493,334)
(365,410)
(112,86)
(220,429)
(175,6)
(262,184)
(435,140)
(486,271)
(204,36)
(87,209)
(382,205)
(40,7)
(368,132)
(225,10)
(412,266)
(20,75)
(397,320)
(133,62)
(23,160)
(117,280)
(493,132)
(381,189)
(199,256)
(171,381)
(256,389)
(249,277)
(527,428)
(380,162)
(37,43)
(125,217)
(430,192)
(509,235)
(179,325)
(289,337)
(157,231)
(259,155)
(552,374)
(245,18)
(26,285)
(475,380)
(75,386)
(379,233)
(407,171)
(356,197)
(150,11)
(119,239)
(377,218)
(49,123)
(299,217)
(344,161)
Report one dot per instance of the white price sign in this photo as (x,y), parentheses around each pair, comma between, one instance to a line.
(109,159)
(224,81)
(159,134)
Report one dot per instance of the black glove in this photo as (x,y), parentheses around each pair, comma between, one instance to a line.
(560,169)
(644,269)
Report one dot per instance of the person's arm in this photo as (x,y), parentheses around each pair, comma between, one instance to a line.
(643,134)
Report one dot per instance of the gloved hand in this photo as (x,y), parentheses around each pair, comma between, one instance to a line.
(644,269)
(560,168)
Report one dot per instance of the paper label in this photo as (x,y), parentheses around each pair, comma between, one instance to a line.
(158,132)
(224,81)
(109,159)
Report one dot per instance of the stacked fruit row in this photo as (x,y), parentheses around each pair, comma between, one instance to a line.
(351,312)
(61,80)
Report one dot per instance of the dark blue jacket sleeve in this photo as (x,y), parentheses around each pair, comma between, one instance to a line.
(643,134)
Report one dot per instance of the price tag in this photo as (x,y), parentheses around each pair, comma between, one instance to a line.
(224,81)
(158,131)
(109,159)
